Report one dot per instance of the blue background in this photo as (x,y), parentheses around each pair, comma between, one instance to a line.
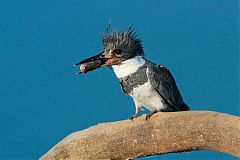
(42,101)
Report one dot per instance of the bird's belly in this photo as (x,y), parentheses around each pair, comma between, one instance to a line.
(148,97)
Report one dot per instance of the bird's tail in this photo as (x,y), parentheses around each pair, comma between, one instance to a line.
(184,107)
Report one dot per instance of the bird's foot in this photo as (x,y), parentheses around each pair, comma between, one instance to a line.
(133,116)
(150,114)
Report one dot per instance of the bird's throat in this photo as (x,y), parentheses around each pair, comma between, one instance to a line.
(128,67)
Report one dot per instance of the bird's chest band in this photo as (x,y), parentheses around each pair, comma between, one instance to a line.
(128,83)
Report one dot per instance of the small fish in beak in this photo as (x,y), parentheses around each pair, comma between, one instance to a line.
(89,66)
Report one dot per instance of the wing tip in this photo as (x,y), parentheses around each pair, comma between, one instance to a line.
(185,107)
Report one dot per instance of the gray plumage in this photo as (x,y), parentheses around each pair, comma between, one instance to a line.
(127,41)
(133,80)
(158,75)
(150,85)
(163,82)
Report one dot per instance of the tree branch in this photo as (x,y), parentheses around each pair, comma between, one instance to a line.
(165,132)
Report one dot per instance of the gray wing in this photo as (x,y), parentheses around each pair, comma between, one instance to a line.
(164,83)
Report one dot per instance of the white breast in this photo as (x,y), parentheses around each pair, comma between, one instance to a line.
(148,97)
(144,95)
(128,67)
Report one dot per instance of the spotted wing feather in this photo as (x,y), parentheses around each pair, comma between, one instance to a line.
(164,83)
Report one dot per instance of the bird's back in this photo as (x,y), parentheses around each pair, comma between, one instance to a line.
(163,82)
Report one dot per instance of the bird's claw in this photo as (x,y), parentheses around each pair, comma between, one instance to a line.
(150,114)
(133,116)
(147,117)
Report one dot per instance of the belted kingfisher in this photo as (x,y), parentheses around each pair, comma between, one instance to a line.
(150,85)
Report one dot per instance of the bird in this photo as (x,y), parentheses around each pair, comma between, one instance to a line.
(150,85)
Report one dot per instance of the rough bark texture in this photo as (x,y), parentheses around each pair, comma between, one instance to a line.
(164,133)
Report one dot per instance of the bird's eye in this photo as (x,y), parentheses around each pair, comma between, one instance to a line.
(117,51)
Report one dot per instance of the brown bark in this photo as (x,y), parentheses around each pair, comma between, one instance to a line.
(164,133)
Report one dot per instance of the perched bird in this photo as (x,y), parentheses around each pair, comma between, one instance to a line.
(150,85)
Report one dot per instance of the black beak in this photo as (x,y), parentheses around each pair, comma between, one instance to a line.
(91,63)
(91,59)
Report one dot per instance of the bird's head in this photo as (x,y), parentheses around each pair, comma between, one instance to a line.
(120,46)
(117,47)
